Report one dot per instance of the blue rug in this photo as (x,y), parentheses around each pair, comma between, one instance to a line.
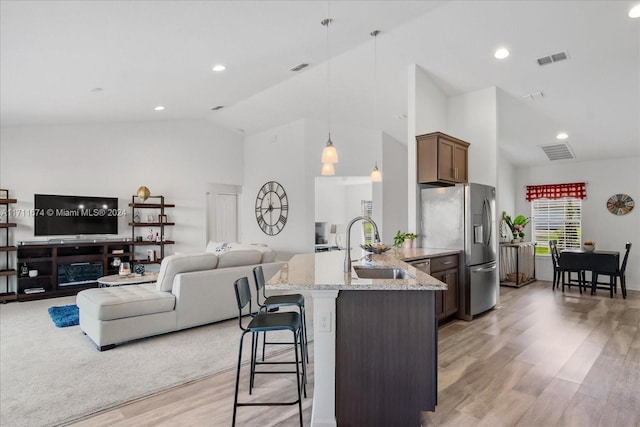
(67,315)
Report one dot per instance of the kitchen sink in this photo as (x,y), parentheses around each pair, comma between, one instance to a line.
(382,273)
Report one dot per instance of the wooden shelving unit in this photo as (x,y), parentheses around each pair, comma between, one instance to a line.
(52,260)
(137,240)
(7,251)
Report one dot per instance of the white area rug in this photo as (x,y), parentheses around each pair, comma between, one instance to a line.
(50,376)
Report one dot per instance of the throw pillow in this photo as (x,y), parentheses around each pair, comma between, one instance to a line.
(217,247)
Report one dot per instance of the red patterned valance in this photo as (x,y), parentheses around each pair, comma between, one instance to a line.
(557,191)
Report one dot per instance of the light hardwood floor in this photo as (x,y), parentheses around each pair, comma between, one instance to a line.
(542,358)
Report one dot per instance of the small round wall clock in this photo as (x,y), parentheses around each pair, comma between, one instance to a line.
(272,208)
(620,204)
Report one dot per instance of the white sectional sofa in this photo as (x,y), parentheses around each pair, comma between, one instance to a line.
(191,290)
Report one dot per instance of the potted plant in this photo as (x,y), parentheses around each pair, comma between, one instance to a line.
(405,239)
(516,226)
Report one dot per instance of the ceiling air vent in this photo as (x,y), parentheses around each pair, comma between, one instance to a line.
(218,107)
(299,67)
(555,57)
(534,95)
(558,151)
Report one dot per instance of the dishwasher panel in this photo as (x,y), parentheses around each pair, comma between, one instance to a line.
(423,265)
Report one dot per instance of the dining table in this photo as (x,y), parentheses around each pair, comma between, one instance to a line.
(597,262)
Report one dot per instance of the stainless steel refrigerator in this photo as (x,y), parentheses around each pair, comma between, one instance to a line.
(463,217)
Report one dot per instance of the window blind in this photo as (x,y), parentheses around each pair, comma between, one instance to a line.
(558,219)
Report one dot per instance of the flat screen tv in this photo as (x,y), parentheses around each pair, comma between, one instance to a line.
(74,215)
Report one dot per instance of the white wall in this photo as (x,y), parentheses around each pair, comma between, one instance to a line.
(338,200)
(330,200)
(359,149)
(279,155)
(175,159)
(394,181)
(506,189)
(290,154)
(472,117)
(605,178)
(506,172)
(427,111)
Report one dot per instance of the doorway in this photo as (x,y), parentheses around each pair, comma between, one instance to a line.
(222,213)
(337,201)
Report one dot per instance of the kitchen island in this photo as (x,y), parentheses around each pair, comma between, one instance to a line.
(375,340)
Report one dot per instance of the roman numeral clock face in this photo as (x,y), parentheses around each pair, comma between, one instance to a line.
(272,208)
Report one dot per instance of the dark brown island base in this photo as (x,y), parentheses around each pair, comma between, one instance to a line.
(378,365)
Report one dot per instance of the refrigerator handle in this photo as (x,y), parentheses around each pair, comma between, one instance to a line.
(487,220)
(485,269)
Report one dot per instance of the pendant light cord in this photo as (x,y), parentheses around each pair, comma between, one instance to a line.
(326,23)
(375,76)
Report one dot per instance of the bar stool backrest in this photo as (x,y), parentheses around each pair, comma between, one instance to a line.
(258,275)
(243,297)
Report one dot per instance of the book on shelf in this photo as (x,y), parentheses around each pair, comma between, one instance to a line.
(33,290)
(117,251)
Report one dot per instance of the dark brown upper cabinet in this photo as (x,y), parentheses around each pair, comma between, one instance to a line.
(442,159)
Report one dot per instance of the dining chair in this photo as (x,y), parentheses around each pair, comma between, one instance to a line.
(555,259)
(613,277)
(559,271)
(262,322)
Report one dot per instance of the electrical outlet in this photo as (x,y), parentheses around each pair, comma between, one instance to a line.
(324,322)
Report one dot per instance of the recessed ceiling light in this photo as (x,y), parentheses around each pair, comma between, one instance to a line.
(635,11)
(219,67)
(501,53)
(159,108)
(562,135)
(96,89)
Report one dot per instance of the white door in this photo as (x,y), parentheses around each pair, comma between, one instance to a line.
(223,223)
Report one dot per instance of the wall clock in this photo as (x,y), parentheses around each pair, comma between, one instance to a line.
(620,204)
(272,208)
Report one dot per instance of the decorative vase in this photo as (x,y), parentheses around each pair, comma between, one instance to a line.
(125,269)
(408,243)
(515,240)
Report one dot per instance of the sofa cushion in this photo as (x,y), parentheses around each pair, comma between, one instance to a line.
(124,301)
(185,263)
(235,258)
(268,254)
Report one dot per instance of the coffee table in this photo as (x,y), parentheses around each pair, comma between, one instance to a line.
(130,279)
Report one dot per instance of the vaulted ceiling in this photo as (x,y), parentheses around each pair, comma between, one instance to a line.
(141,54)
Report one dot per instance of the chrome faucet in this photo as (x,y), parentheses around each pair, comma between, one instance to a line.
(376,236)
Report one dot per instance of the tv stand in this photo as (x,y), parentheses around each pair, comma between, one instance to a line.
(79,239)
(52,260)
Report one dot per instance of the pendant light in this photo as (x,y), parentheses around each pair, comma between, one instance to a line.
(327,169)
(376,175)
(329,154)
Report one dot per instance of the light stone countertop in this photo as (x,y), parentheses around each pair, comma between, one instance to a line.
(324,271)
(422,253)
